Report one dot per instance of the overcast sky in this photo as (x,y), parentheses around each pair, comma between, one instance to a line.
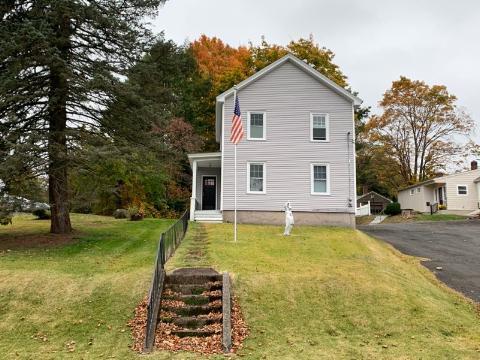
(375,41)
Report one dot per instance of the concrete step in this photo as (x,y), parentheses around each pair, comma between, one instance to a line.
(213,216)
(193,289)
(190,332)
(191,322)
(193,310)
(192,279)
(193,299)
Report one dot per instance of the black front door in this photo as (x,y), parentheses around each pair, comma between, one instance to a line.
(209,189)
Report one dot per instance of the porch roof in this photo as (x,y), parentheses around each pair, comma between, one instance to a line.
(206,159)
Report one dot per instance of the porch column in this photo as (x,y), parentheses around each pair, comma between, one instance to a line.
(193,199)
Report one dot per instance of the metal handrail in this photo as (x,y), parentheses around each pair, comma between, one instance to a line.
(169,242)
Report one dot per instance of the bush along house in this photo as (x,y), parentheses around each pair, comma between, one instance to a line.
(298,146)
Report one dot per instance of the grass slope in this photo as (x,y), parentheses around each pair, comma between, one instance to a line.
(83,292)
(323,293)
(331,293)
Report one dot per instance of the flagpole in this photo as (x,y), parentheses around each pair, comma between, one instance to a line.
(235,182)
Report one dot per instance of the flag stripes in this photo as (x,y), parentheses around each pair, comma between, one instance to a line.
(237,126)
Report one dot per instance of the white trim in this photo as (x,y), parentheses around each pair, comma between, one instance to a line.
(419,190)
(222,160)
(264,113)
(216,190)
(304,66)
(312,192)
(194,178)
(264,164)
(327,126)
(466,189)
(412,191)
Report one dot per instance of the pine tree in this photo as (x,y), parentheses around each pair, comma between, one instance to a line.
(60,63)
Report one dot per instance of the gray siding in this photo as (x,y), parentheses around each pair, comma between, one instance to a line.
(207,171)
(288,95)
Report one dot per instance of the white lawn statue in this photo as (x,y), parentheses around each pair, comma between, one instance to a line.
(288,219)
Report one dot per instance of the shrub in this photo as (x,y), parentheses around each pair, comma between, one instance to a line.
(136,213)
(121,214)
(41,214)
(5,218)
(393,209)
(442,207)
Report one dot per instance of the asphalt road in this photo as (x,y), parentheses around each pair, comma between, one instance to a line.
(452,245)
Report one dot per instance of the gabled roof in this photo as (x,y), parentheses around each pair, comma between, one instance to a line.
(477,180)
(373,192)
(302,65)
(356,101)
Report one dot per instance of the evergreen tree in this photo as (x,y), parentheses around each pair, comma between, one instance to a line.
(60,64)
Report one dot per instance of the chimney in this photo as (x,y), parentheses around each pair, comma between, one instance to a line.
(364,189)
(473,165)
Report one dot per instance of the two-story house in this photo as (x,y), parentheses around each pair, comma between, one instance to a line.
(298,147)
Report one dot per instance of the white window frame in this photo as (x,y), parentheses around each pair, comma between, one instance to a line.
(264,164)
(249,113)
(466,189)
(327,124)
(312,182)
(419,189)
(412,191)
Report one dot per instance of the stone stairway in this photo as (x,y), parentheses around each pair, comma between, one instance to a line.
(192,302)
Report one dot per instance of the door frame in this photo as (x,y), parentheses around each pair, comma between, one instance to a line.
(216,190)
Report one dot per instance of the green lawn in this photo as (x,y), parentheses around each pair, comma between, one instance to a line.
(323,293)
(424,217)
(83,292)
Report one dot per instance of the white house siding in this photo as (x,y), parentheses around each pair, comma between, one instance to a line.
(202,171)
(288,95)
(462,202)
(417,201)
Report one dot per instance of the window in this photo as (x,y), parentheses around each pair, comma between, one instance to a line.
(412,191)
(256,178)
(319,127)
(256,126)
(320,180)
(462,190)
(418,190)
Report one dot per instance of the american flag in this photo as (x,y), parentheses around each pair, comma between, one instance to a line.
(237,127)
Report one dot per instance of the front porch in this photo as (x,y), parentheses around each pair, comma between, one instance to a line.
(205,202)
(438,193)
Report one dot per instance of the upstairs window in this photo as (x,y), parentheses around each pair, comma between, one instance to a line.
(320,174)
(412,191)
(319,127)
(462,190)
(256,178)
(256,126)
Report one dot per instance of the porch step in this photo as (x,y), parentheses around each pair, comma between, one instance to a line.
(208,216)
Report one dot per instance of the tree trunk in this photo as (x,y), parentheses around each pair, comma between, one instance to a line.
(57,140)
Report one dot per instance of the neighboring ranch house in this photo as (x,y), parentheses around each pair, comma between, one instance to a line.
(298,146)
(460,192)
(378,202)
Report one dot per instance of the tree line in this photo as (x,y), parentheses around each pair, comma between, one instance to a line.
(97,113)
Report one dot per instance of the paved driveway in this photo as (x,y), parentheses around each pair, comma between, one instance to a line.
(453,245)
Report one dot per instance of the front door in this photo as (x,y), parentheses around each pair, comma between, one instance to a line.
(209,192)
(440,196)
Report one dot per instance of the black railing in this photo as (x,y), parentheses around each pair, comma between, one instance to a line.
(433,208)
(169,241)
